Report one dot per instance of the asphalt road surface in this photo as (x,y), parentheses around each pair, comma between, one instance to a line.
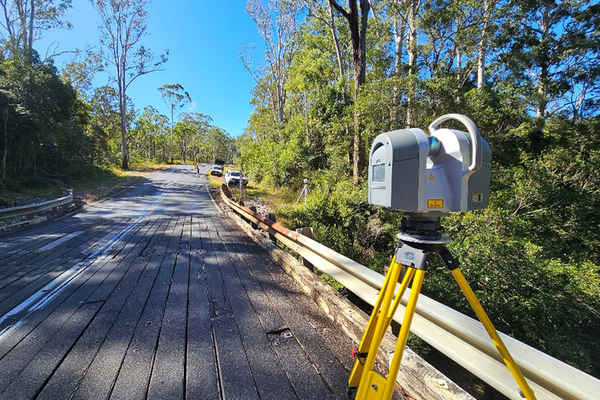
(154,294)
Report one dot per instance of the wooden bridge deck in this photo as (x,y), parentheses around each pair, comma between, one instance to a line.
(155,295)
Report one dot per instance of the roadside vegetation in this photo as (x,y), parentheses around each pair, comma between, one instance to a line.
(525,72)
(58,131)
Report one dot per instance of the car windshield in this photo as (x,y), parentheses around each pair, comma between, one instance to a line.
(234,173)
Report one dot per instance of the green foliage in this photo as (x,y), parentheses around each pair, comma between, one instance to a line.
(45,121)
(55,134)
(533,256)
(541,300)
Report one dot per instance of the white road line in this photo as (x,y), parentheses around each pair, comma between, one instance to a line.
(60,241)
(39,299)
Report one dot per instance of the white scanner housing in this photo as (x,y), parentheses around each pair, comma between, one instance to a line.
(447,170)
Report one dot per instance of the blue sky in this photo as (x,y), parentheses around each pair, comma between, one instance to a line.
(204,40)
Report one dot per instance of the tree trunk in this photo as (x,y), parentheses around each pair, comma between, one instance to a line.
(124,147)
(399,32)
(411,48)
(488,6)
(544,77)
(306,120)
(280,102)
(172,142)
(123,115)
(542,91)
(458,63)
(340,59)
(458,73)
(30,39)
(358,31)
(21,10)
(5,155)
(336,42)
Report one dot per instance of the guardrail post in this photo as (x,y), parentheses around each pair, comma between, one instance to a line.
(308,232)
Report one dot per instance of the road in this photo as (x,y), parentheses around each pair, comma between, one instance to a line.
(154,294)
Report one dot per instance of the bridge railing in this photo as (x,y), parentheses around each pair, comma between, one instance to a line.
(458,336)
(35,207)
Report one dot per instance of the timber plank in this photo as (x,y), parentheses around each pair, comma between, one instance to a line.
(74,293)
(18,355)
(95,339)
(121,306)
(235,374)
(23,288)
(30,249)
(28,244)
(32,378)
(201,369)
(135,370)
(269,374)
(168,372)
(283,292)
(32,262)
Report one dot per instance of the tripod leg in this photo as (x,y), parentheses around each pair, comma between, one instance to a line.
(403,335)
(410,272)
(489,327)
(377,318)
(372,385)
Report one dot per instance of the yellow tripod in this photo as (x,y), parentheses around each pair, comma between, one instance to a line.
(412,256)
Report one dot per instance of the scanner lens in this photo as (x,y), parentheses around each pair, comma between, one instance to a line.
(434,146)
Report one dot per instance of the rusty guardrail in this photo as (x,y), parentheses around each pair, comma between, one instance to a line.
(458,336)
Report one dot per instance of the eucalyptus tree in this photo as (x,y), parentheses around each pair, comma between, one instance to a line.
(219,144)
(551,49)
(151,123)
(23,22)
(105,121)
(489,10)
(81,70)
(176,97)
(123,29)
(357,22)
(277,23)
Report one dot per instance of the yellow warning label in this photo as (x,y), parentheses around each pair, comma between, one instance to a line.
(435,203)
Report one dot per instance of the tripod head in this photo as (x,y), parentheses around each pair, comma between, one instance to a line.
(422,230)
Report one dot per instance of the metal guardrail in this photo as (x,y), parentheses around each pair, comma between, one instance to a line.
(458,336)
(35,207)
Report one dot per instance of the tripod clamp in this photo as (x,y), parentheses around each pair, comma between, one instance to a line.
(415,255)
(419,238)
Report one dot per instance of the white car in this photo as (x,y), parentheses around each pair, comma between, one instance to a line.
(216,170)
(233,177)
